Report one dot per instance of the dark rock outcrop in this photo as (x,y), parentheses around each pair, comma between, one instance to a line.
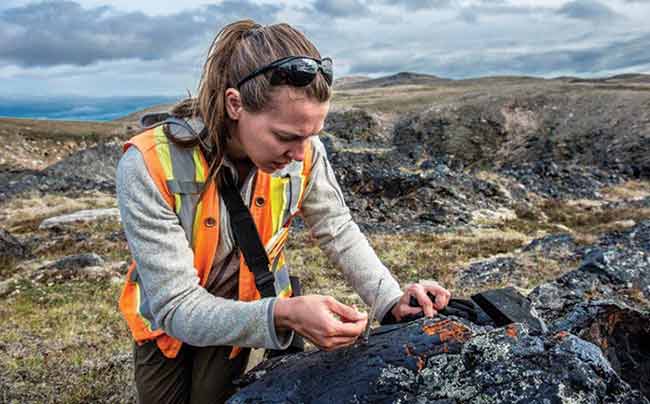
(10,247)
(444,361)
(605,127)
(355,125)
(621,332)
(498,271)
(86,170)
(465,133)
(561,180)
(388,189)
(623,274)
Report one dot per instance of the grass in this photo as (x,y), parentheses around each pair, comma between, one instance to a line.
(409,257)
(399,99)
(629,190)
(63,342)
(588,219)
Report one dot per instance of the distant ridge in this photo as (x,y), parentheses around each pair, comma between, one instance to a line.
(399,79)
(619,78)
(347,80)
(134,117)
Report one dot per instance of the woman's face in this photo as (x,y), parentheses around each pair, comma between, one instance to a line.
(272,139)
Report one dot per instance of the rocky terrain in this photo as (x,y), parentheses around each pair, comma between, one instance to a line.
(595,348)
(511,181)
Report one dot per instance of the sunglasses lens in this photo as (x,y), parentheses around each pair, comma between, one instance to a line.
(303,71)
(297,72)
(327,70)
(300,72)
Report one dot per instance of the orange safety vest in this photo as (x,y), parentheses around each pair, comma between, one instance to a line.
(180,173)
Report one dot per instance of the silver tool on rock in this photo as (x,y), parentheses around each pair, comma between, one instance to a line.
(373,313)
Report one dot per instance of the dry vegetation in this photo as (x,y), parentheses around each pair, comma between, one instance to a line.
(396,99)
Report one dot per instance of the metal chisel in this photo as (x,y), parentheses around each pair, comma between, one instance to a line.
(373,312)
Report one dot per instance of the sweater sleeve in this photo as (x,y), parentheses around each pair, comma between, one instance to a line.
(330,222)
(180,305)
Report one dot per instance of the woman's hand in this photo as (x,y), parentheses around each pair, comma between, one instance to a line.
(419,291)
(323,320)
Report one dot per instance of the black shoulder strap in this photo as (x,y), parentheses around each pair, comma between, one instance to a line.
(245,232)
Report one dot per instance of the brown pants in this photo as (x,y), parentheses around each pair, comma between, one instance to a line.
(197,375)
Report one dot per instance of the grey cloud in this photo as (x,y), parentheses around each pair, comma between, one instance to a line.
(615,55)
(340,8)
(587,10)
(63,32)
(416,5)
(468,15)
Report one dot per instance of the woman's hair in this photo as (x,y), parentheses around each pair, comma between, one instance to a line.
(238,49)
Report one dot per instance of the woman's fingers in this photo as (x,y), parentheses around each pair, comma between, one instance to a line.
(315,317)
(345,312)
(352,322)
(442,295)
(417,290)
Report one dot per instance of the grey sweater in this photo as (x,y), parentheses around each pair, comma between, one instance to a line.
(184,309)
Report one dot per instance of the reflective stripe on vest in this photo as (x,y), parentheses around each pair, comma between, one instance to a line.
(180,174)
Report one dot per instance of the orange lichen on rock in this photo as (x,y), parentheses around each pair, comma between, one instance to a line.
(561,334)
(511,331)
(448,330)
(612,320)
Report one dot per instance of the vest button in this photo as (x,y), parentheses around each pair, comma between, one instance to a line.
(259,201)
(210,222)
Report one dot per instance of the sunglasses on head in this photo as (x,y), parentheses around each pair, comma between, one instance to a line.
(296,71)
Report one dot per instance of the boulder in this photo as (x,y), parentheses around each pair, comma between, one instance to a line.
(10,247)
(621,332)
(77,261)
(444,360)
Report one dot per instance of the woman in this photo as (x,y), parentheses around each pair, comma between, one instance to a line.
(190,298)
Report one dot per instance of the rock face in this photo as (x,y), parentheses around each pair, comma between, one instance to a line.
(603,128)
(445,361)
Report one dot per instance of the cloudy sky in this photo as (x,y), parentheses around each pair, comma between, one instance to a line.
(157,47)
